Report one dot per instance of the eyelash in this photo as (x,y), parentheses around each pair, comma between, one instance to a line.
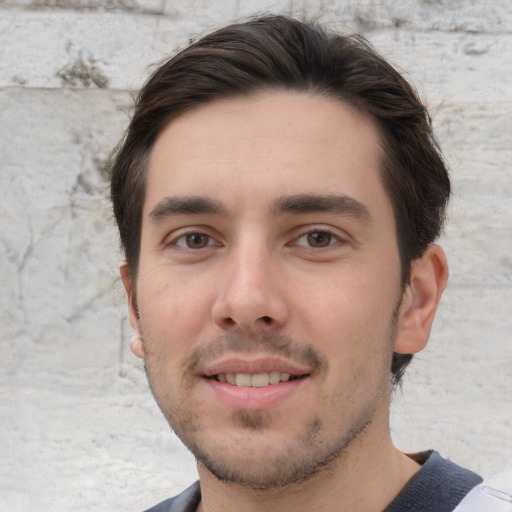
(185,237)
(333,239)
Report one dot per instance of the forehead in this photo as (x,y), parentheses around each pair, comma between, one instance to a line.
(252,149)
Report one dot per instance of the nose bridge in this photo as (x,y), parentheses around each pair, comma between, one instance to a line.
(249,296)
(251,264)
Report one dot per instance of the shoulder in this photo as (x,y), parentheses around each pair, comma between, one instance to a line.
(443,486)
(187,501)
(484,498)
(440,485)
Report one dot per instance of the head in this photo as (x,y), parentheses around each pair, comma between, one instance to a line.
(277,193)
(280,54)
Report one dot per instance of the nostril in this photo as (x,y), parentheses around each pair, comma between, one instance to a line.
(251,324)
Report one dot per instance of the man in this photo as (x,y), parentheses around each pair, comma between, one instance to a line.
(278,194)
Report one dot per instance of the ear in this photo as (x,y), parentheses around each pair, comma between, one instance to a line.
(420,300)
(136,344)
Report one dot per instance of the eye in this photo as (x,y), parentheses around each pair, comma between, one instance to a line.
(194,241)
(319,239)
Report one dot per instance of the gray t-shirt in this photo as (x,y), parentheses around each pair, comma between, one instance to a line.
(439,486)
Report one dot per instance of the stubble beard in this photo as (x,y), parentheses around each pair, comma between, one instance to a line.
(314,450)
(300,461)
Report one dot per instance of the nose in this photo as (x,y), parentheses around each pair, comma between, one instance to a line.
(250,300)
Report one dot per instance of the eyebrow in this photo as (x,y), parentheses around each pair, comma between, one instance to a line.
(298,204)
(188,205)
(311,203)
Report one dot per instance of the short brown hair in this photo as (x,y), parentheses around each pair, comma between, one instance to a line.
(281,53)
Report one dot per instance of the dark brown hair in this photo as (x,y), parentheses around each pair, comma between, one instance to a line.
(280,53)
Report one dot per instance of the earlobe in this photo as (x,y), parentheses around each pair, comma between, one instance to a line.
(136,344)
(422,295)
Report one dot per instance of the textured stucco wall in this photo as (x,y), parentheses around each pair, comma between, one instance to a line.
(78,428)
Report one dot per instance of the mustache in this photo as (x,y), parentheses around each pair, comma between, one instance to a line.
(272,343)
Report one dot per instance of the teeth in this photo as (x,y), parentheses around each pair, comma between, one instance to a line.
(275,377)
(257,380)
(243,379)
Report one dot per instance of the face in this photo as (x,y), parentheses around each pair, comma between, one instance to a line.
(268,292)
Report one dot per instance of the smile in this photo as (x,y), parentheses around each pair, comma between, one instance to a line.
(256,380)
(254,391)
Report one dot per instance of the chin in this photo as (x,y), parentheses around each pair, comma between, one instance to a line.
(256,459)
(260,471)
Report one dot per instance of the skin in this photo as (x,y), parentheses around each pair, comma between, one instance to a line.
(287,255)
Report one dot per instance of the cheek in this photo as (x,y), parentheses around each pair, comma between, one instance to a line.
(350,317)
(346,300)
(171,308)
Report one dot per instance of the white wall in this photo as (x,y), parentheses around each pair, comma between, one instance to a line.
(78,428)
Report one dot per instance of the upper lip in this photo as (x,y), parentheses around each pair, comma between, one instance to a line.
(240,364)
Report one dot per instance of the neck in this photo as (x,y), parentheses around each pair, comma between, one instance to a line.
(366,477)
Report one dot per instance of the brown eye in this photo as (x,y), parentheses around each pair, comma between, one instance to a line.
(196,240)
(319,239)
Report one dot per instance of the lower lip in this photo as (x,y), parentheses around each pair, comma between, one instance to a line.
(251,399)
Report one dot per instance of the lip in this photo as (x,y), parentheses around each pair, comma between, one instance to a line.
(253,366)
(254,398)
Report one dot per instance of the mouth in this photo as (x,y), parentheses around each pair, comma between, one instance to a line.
(255,380)
(259,384)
